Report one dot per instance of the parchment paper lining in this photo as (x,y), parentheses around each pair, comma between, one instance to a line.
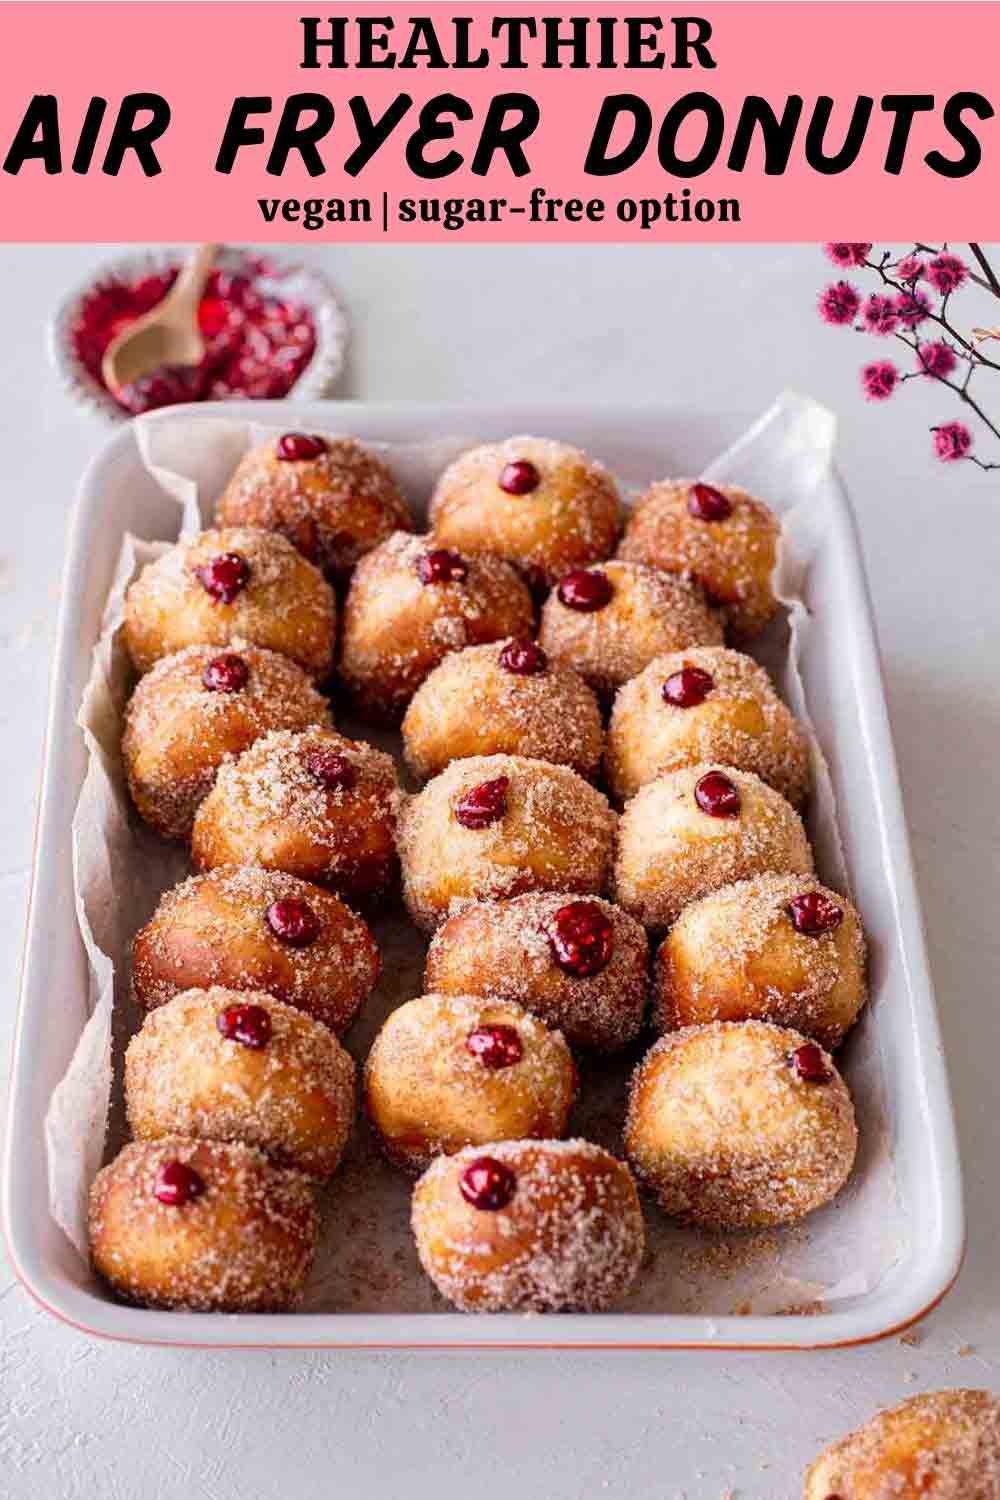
(366,1260)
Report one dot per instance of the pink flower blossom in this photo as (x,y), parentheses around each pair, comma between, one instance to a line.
(880,315)
(912,307)
(937,360)
(952,440)
(946,273)
(843,253)
(839,303)
(879,379)
(910,268)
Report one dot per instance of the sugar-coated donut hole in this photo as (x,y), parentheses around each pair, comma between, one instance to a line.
(334,503)
(647,614)
(448,1071)
(940,1445)
(197,707)
(505,950)
(568,1234)
(315,804)
(243,1241)
(474,703)
(405,612)
(672,851)
(728,1132)
(232,584)
(733,557)
(232,1065)
(213,929)
(540,504)
(736,955)
(734,717)
(499,825)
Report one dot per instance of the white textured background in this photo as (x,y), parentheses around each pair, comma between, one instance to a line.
(725,328)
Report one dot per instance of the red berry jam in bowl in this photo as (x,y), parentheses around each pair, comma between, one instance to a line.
(259,340)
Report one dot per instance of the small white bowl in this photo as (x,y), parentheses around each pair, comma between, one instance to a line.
(288,280)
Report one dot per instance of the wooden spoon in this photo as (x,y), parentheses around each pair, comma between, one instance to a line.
(168,334)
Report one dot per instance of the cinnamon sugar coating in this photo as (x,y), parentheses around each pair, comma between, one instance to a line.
(727,1135)
(472,705)
(397,628)
(736,956)
(741,722)
(556,833)
(293,1097)
(285,603)
(943,1445)
(244,1244)
(571,1238)
(504,950)
(333,508)
(671,852)
(271,808)
(427,1093)
(732,559)
(649,613)
(213,930)
(178,731)
(570,518)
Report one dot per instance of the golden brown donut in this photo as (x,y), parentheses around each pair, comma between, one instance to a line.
(778,948)
(611,620)
(690,832)
(505,698)
(579,963)
(540,504)
(236,584)
(231,928)
(410,603)
(716,534)
(499,825)
(331,497)
(230,1065)
(202,1225)
(448,1071)
(197,707)
(705,703)
(943,1445)
(529,1226)
(739,1125)
(314,804)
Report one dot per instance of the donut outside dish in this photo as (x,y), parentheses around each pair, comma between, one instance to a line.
(331,497)
(448,1071)
(505,698)
(690,832)
(410,603)
(705,704)
(540,504)
(529,1226)
(206,1226)
(245,928)
(942,1445)
(717,535)
(578,963)
(739,1125)
(611,620)
(778,948)
(314,804)
(227,1065)
(197,707)
(234,584)
(499,825)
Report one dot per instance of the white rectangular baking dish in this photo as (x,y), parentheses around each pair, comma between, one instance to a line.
(845,697)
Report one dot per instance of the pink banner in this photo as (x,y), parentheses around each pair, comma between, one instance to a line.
(575,122)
